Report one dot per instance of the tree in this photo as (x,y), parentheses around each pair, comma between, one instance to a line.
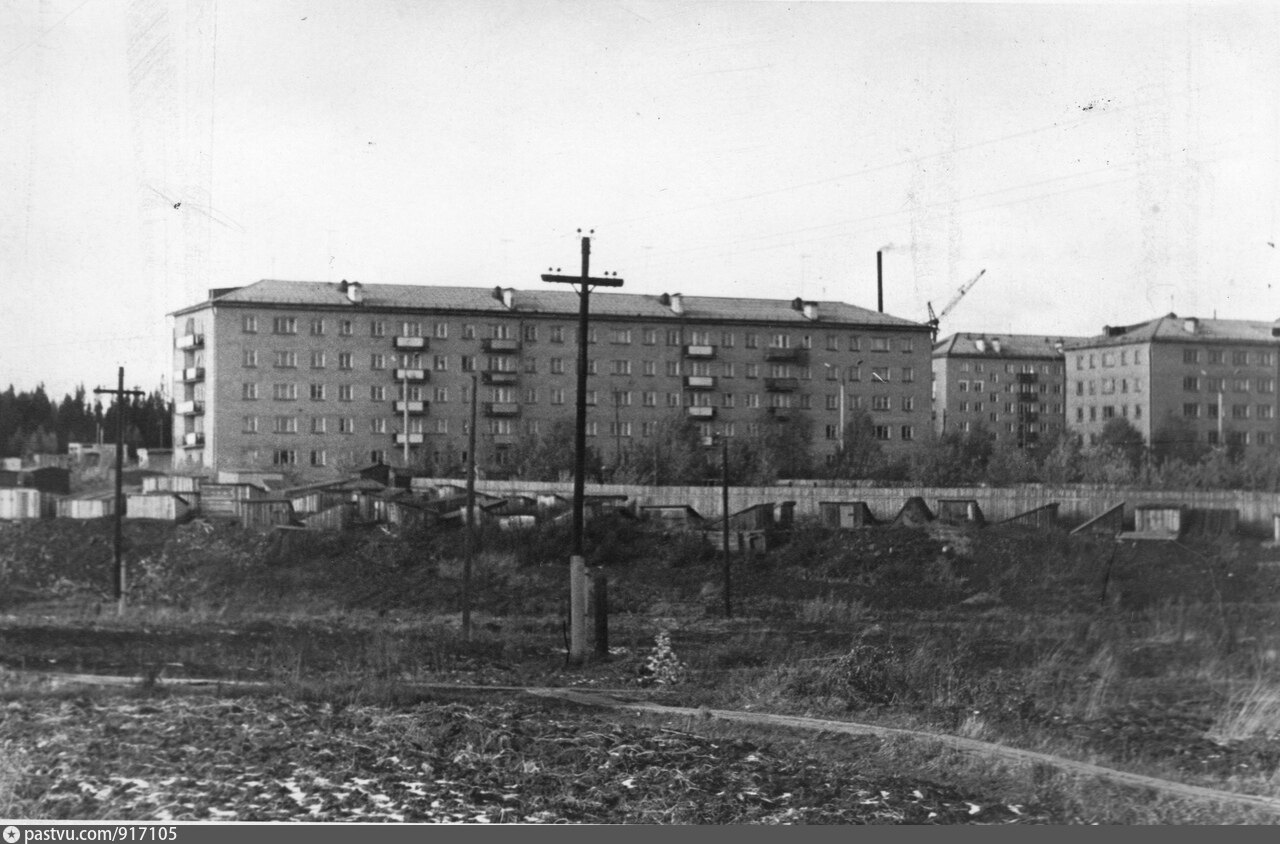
(955,458)
(860,454)
(1120,435)
(1175,439)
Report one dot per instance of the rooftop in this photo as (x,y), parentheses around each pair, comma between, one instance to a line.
(549,302)
(1002,345)
(1176,329)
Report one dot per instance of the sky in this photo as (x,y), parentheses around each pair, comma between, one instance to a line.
(1104,164)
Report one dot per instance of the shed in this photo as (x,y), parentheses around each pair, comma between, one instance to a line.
(1207,521)
(264,512)
(11,464)
(10,478)
(219,500)
(21,503)
(915,513)
(672,516)
(336,517)
(87,507)
(1159,519)
(845,515)
(960,511)
(172,483)
(163,506)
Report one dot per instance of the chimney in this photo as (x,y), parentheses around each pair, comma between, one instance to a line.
(505,295)
(1190,324)
(981,343)
(1058,345)
(353,290)
(810,311)
(880,280)
(674,301)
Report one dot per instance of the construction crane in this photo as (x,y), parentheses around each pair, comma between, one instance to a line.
(934,319)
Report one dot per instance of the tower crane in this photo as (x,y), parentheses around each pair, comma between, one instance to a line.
(934,319)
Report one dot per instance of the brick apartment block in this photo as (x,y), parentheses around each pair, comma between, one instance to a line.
(319,375)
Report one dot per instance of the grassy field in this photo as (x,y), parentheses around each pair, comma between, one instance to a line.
(1157,658)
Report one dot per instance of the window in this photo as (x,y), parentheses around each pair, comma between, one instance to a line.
(440,363)
(346,327)
(1266,385)
(593,429)
(378,426)
(410,328)
(880,344)
(620,336)
(727,339)
(1108,411)
(650,367)
(319,457)
(908,403)
(557,334)
(531,395)
(440,331)
(1239,358)
(286,425)
(250,358)
(285,325)
(908,432)
(649,336)
(752,370)
(377,360)
(1266,358)
(908,344)
(620,429)
(468,363)
(780,341)
(317,360)
(284,392)
(880,373)
(673,368)
(346,425)
(1239,411)
(622,367)
(378,455)
(962,386)
(591,398)
(1191,384)
(881,403)
(377,328)
(442,426)
(249,324)
(649,398)
(317,328)
(557,395)
(673,399)
(344,360)
(317,392)
(319,424)
(1191,410)
(909,375)
(591,366)
(881,432)
(1265,411)
(344,392)
(249,425)
(286,360)
(284,457)
(557,366)
(753,399)
(752,341)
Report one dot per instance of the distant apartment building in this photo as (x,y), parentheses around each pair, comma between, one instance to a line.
(1013,385)
(1216,375)
(317,375)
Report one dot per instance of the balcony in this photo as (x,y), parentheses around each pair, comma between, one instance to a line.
(699,351)
(411,406)
(1028,377)
(504,439)
(190,408)
(700,382)
(411,343)
(781,414)
(190,341)
(781,385)
(501,408)
(414,439)
(193,438)
(500,345)
(411,375)
(1028,397)
(499,377)
(702,412)
(191,373)
(787,355)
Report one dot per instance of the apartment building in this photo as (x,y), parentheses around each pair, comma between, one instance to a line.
(1013,385)
(317,375)
(1216,375)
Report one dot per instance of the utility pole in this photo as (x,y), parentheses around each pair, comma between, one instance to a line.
(724,509)
(577,563)
(471,517)
(404,397)
(118,573)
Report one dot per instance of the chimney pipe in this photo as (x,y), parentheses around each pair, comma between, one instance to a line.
(880,280)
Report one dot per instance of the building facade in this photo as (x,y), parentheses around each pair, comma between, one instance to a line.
(1013,385)
(1216,377)
(321,376)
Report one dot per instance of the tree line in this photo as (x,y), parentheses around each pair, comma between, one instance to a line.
(33,423)
(783,449)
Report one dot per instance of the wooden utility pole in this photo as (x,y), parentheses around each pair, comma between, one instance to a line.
(724,507)
(118,574)
(577,563)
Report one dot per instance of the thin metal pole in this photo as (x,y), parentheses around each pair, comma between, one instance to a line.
(580,431)
(724,507)
(404,396)
(471,516)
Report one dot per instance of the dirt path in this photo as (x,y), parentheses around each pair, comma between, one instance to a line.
(600,699)
(982,748)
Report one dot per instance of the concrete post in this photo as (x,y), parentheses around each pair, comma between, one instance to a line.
(577,608)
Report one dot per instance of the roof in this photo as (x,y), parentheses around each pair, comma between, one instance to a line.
(1175,329)
(1010,345)
(540,302)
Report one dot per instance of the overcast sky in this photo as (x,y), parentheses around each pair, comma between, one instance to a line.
(1104,164)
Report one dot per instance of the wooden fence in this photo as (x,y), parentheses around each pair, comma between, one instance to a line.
(1076,504)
